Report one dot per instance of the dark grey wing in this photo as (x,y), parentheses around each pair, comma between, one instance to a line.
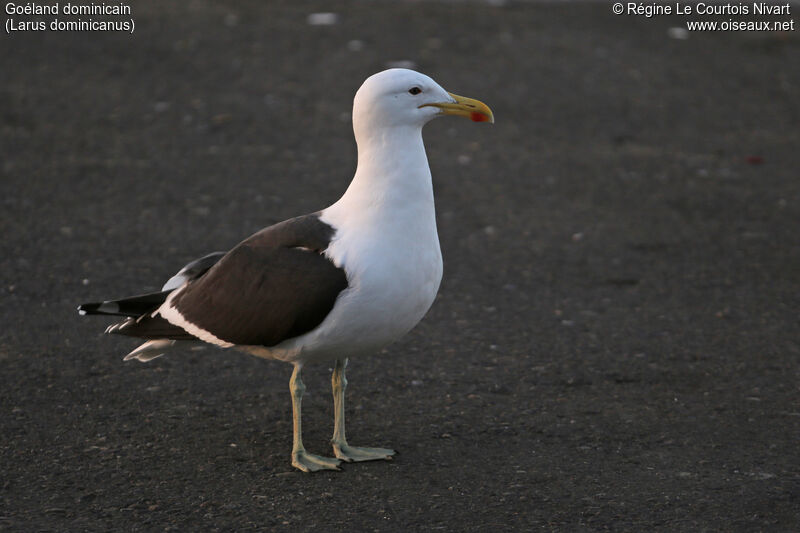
(193,270)
(273,286)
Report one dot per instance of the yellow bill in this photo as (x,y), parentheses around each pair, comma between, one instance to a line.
(474,110)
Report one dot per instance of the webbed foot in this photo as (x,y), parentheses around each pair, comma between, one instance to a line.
(351,454)
(308,462)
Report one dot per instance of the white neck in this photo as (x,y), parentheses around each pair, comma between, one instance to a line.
(392,178)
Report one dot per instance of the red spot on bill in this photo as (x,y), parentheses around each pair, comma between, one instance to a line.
(479,117)
(754,159)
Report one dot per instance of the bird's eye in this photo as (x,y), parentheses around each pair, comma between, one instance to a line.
(415,90)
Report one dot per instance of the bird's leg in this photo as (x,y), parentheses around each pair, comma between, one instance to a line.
(340,447)
(300,458)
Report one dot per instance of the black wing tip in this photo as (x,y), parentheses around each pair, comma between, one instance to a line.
(103,308)
(89,309)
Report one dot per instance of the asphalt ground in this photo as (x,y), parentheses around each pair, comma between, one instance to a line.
(615,344)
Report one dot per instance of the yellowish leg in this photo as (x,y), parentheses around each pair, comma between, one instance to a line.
(301,459)
(343,450)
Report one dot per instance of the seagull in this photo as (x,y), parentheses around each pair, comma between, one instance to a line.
(342,282)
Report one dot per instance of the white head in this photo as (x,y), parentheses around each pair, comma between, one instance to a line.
(404,98)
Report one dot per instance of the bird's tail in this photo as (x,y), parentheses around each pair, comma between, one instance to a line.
(141,320)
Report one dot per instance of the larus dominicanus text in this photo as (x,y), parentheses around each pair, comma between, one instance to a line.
(338,283)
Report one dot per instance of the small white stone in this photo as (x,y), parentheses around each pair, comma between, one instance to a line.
(322,19)
(676,32)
